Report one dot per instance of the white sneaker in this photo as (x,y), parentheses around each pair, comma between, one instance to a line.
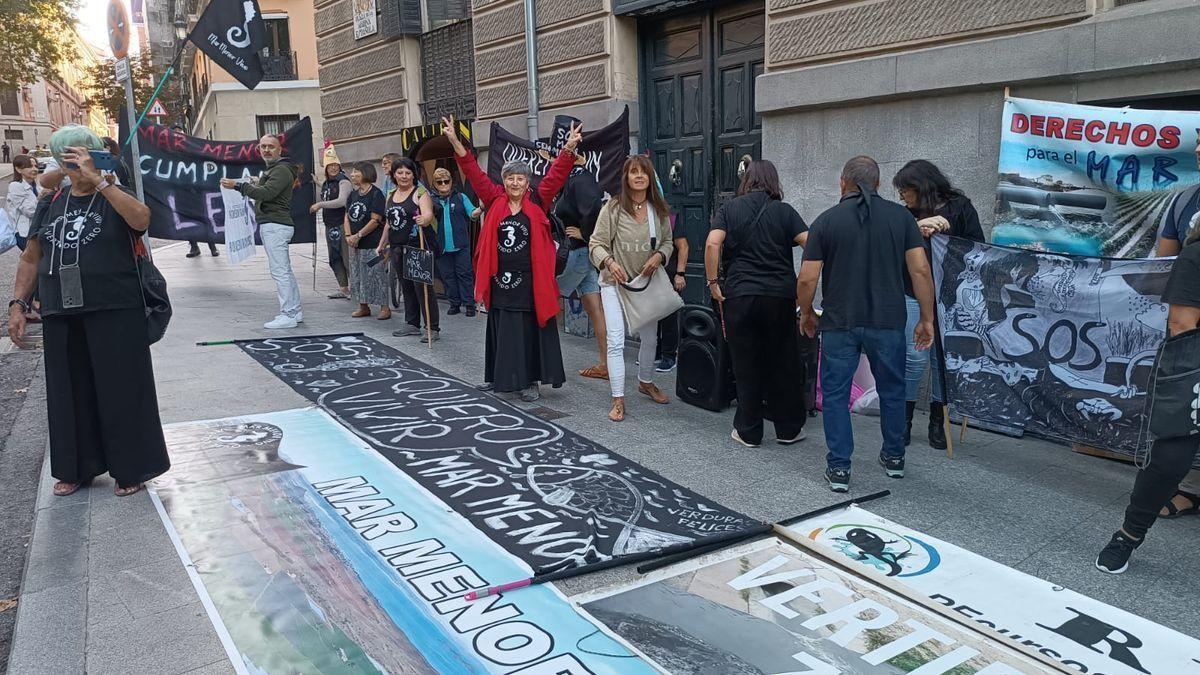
(300,317)
(281,322)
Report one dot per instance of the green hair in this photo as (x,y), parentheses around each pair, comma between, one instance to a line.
(71,136)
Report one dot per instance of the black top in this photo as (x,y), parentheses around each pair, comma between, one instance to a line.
(964,223)
(89,232)
(359,208)
(1183,286)
(512,287)
(579,205)
(1181,216)
(329,192)
(862,243)
(402,220)
(758,256)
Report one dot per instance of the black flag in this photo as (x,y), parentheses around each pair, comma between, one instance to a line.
(602,152)
(231,33)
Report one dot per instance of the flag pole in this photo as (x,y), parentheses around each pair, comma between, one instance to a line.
(162,81)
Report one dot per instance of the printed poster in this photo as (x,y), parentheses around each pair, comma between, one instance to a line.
(315,555)
(1088,180)
(239,226)
(1082,633)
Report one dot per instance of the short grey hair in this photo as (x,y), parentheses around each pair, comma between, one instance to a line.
(516,166)
(73,136)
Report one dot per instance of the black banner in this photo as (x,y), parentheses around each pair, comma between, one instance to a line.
(417,265)
(1058,346)
(232,34)
(181,176)
(550,497)
(602,152)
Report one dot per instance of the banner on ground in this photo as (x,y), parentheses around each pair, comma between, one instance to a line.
(601,152)
(240,227)
(770,607)
(550,497)
(1055,345)
(181,177)
(1082,633)
(1088,180)
(314,555)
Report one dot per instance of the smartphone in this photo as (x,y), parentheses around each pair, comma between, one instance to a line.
(104,160)
(376,260)
(71,287)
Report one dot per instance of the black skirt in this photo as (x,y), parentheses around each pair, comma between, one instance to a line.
(519,353)
(100,398)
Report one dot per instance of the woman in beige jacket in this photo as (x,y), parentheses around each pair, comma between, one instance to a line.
(632,237)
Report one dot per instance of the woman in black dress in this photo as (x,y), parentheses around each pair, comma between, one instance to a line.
(100,398)
(409,207)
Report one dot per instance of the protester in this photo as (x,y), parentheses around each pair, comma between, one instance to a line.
(123,176)
(1180,218)
(577,208)
(6,151)
(939,208)
(754,234)
(1170,458)
(454,212)
(369,282)
(194,249)
(514,271)
(386,162)
(667,352)
(633,233)
(859,250)
(334,193)
(22,197)
(409,207)
(102,409)
(272,194)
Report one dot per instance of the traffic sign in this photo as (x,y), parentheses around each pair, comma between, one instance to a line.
(122,68)
(118,29)
(157,110)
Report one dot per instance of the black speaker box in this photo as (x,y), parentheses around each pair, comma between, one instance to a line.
(705,375)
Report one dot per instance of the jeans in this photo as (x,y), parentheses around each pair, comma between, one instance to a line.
(914,362)
(764,344)
(1170,461)
(840,350)
(458,278)
(614,319)
(578,275)
(275,239)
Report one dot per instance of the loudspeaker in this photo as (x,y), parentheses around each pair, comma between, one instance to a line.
(705,372)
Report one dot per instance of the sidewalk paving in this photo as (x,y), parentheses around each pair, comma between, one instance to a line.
(105,592)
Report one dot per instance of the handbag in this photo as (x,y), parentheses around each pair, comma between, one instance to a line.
(648,300)
(154,292)
(1175,391)
(562,244)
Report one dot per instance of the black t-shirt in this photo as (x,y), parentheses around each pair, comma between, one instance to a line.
(402,220)
(758,256)
(89,232)
(512,287)
(964,223)
(359,208)
(1183,286)
(329,192)
(863,256)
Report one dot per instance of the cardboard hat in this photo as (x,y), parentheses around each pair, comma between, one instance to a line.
(562,129)
(329,156)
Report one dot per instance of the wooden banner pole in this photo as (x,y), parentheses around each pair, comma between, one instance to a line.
(425,287)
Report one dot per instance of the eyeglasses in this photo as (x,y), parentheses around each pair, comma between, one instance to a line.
(441,182)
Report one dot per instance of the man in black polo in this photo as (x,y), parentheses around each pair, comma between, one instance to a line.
(859,250)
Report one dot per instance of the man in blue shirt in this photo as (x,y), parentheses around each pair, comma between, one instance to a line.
(453,212)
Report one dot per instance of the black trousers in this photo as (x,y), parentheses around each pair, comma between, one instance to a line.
(414,304)
(668,337)
(339,255)
(101,404)
(1170,460)
(764,344)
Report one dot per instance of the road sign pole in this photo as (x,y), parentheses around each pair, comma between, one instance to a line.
(136,170)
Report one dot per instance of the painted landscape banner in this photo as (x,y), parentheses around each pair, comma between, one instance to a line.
(550,497)
(1082,633)
(772,608)
(313,554)
(1054,345)
(1088,180)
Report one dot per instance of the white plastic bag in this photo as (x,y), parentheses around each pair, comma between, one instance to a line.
(8,235)
(867,404)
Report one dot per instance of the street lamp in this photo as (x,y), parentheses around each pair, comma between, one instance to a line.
(181,28)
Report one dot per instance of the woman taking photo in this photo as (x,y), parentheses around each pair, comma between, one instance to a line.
(409,207)
(363,229)
(939,208)
(632,237)
(100,398)
(514,271)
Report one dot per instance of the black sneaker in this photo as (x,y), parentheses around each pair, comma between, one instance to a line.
(664,365)
(469,312)
(452,311)
(1114,558)
(839,479)
(892,466)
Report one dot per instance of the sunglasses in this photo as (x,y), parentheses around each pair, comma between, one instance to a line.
(441,182)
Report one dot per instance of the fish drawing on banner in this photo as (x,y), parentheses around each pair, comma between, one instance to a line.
(551,497)
(1056,345)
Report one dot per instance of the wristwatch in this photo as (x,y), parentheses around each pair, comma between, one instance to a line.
(679,274)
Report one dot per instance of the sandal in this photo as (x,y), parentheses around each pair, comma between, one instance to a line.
(126,491)
(1173,511)
(62,488)
(617,414)
(650,389)
(595,372)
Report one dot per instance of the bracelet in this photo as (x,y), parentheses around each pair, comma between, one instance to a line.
(18,301)
(680,274)
(713,282)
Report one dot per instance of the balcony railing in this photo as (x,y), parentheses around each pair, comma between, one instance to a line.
(279,67)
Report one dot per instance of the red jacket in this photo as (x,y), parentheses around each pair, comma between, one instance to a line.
(541,249)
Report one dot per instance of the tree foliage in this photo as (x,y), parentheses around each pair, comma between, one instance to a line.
(102,89)
(32,31)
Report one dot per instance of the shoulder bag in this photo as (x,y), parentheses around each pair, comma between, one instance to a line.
(1175,390)
(647,300)
(154,292)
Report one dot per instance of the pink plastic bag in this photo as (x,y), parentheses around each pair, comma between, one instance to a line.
(855,390)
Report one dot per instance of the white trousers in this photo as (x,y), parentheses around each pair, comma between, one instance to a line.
(614,317)
(275,238)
